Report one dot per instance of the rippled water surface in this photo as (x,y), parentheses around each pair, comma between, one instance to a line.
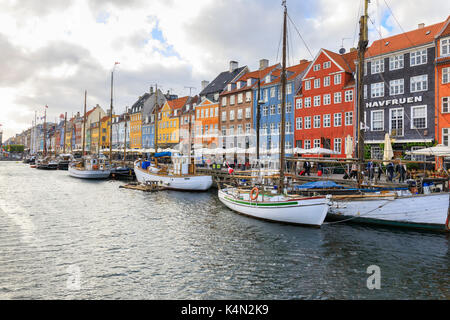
(65,238)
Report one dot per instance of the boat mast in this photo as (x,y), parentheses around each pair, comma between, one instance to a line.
(362,48)
(283,102)
(156,120)
(99,134)
(84,124)
(65,129)
(258,118)
(125,138)
(45,133)
(111,115)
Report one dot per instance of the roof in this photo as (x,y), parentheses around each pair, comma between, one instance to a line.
(405,40)
(140,102)
(178,103)
(257,74)
(292,72)
(346,61)
(221,81)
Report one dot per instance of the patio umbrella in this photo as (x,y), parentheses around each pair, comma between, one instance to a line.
(348,147)
(388,152)
(438,151)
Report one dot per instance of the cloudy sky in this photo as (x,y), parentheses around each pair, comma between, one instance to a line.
(53,50)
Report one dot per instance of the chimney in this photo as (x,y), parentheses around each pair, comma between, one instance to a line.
(151,90)
(352,49)
(204,84)
(233,65)
(263,63)
(303,61)
(421,25)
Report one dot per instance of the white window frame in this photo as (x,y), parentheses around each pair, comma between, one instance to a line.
(326,81)
(415,81)
(338,78)
(327,64)
(446,136)
(445,101)
(445,75)
(337,97)
(335,118)
(327,120)
(298,103)
(224,101)
(307,124)
(396,62)
(413,117)
(418,57)
(445,43)
(372,120)
(348,95)
(377,90)
(316,67)
(316,121)
(316,143)
(317,101)
(307,85)
(349,116)
(317,83)
(298,123)
(403,121)
(337,145)
(308,102)
(326,99)
(396,87)
(377,66)
(307,144)
(248,113)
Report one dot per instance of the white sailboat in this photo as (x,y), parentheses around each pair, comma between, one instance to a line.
(89,167)
(400,209)
(178,175)
(310,211)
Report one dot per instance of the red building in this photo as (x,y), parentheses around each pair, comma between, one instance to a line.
(325,105)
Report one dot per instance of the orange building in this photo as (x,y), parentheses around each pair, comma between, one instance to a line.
(206,124)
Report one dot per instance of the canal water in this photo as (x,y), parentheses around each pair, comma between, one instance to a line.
(65,238)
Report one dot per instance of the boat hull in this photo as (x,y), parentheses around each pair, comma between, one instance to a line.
(428,212)
(89,174)
(307,211)
(185,183)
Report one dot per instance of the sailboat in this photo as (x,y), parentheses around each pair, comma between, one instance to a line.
(89,167)
(276,205)
(396,208)
(178,174)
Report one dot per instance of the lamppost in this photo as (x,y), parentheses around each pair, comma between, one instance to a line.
(111,114)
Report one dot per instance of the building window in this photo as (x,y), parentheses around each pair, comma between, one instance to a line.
(248,96)
(224,101)
(248,113)
(376,152)
(377,118)
(288,127)
(307,85)
(248,127)
(377,90)
(232,99)
(316,67)
(298,123)
(239,129)
(272,128)
(418,57)
(263,130)
(396,122)
(307,102)
(365,91)
(445,104)
(326,81)
(307,144)
(326,120)
(316,101)
(419,83)
(349,118)
(289,88)
(316,143)
(327,64)
(317,121)
(348,95)
(307,122)
(445,136)
(272,109)
(231,115)
(326,99)
(337,78)
(279,108)
(272,92)
(239,114)
(445,75)
(265,110)
(298,104)
(316,83)
(396,62)
(288,107)
(338,145)
(337,119)
(445,47)
(337,97)
(240,97)
(377,66)
(396,87)
(224,116)
(206,113)
(419,117)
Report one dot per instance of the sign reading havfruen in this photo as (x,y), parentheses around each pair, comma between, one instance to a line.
(392,102)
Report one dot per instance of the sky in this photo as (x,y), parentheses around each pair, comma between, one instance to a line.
(51,51)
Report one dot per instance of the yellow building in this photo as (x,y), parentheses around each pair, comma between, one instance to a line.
(104,139)
(95,137)
(169,124)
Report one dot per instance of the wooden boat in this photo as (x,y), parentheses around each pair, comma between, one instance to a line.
(309,211)
(90,167)
(175,178)
(422,211)
(63,161)
(46,163)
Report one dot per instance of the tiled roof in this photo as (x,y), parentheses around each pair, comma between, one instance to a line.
(445,31)
(178,103)
(292,72)
(257,74)
(346,60)
(221,81)
(405,40)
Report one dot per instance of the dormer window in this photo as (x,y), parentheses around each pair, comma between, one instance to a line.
(316,67)
(445,47)
(238,85)
(267,79)
(249,82)
(229,87)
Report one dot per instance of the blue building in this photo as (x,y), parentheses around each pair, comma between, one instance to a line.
(270,107)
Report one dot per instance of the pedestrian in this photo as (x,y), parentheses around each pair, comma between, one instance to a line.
(354,171)
(390,171)
(307,168)
(370,170)
(401,170)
